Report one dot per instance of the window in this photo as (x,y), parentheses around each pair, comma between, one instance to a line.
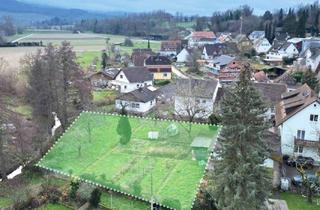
(197,101)
(135,105)
(150,102)
(301,134)
(314,117)
(138,85)
(125,87)
(204,101)
(165,74)
(298,149)
(121,76)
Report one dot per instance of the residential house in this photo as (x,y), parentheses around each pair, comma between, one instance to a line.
(262,45)
(103,79)
(201,38)
(243,42)
(139,101)
(287,50)
(185,55)
(271,94)
(211,51)
(224,37)
(256,35)
(195,97)
(133,78)
(220,62)
(230,73)
(170,48)
(160,67)
(297,117)
(310,58)
(138,56)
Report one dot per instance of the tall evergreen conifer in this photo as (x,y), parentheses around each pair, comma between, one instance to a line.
(238,180)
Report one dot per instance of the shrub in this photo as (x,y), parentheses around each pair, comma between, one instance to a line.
(95,198)
(128,42)
(74,188)
(215,119)
(84,192)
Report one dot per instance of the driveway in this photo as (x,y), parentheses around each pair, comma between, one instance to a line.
(179,73)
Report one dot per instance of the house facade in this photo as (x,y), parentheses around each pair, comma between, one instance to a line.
(201,38)
(195,97)
(298,122)
(184,56)
(243,42)
(262,45)
(160,67)
(140,101)
(170,48)
(288,50)
(133,78)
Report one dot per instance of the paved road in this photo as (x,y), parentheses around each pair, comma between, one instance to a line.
(179,73)
(21,38)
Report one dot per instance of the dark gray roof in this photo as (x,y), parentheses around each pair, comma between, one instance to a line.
(221,48)
(112,73)
(271,92)
(196,87)
(140,95)
(223,60)
(158,60)
(137,74)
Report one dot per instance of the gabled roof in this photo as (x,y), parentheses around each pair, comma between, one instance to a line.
(137,74)
(111,73)
(223,60)
(196,87)
(157,60)
(171,45)
(138,56)
(241,37)
(271,92)
(203,34)
(140,95)
(285,46)
(257,34)
(293,102)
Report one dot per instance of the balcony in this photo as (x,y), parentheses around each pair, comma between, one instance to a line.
(306,143)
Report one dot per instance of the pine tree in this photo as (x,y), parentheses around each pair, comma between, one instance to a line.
(239,181)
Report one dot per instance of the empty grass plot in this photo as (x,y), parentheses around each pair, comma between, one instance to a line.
(155,160)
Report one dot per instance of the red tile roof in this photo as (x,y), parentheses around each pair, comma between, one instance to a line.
(203,34)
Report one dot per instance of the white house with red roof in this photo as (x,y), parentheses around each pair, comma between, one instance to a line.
(201,38)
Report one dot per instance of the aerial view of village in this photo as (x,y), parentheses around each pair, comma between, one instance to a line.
(178,105)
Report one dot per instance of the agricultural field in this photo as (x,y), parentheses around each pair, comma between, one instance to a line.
(148,159)
(88,46)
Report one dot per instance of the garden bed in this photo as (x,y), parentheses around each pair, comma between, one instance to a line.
(99,149)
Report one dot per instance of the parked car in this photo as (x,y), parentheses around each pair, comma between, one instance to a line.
(297,180)
(306,162)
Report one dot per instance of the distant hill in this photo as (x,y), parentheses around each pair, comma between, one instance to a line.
(25,13)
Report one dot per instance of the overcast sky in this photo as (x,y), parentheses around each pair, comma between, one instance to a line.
(201,7)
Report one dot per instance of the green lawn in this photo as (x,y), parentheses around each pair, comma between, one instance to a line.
(164,169)
(297,202)
(99,96)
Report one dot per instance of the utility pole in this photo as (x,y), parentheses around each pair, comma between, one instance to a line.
(241,24)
